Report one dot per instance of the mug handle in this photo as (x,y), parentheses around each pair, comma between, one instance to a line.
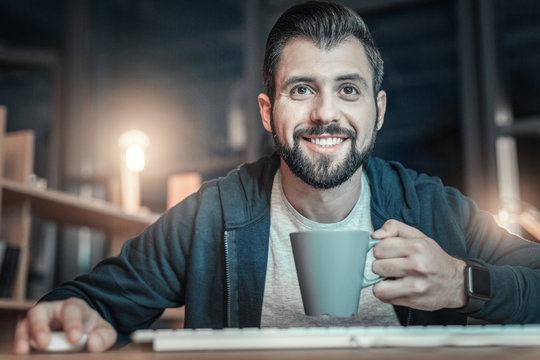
(372,243)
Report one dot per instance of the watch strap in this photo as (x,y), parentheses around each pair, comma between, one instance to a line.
(474,301)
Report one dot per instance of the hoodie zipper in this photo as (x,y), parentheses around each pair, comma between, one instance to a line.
(409,317)
(227,278)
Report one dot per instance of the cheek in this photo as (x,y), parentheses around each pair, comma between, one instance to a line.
(286,118)
(363,115)
(363,123)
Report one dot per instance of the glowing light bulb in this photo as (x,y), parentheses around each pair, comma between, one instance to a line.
(504,216)
(135,158)
(132,143)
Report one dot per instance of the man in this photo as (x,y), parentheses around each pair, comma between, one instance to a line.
(224,252)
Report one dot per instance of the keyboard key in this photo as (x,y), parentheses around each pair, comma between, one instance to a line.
(339,337)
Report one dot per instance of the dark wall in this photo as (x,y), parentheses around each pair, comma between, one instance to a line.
(175,68)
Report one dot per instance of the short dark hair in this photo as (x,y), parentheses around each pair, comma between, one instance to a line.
(327,25)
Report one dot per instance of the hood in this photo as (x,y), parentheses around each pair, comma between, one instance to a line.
(394,190)
(245,192)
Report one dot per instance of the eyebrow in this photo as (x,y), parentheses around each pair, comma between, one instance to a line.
(307,79)
(353,77)
(297,79)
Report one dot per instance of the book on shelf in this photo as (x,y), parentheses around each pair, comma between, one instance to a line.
(3,246)
(42,252)
(8,270)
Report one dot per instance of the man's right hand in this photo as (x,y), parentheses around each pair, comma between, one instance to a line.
(73,316)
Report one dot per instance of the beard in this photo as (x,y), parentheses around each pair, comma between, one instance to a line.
(323,173)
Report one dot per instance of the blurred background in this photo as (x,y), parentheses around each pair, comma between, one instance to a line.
(462,78)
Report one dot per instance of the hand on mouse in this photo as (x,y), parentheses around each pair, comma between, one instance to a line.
(74,316)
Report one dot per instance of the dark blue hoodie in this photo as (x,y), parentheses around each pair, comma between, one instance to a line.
(209,253)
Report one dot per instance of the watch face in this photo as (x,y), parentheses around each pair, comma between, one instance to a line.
(479,284)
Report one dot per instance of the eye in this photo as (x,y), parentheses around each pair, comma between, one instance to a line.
(301,90)
(349,90)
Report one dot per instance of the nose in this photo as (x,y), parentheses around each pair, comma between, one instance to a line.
(325,109)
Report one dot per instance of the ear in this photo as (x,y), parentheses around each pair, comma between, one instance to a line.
(381,109)
(265,108)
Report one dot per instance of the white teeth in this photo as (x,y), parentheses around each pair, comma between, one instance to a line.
(326,142)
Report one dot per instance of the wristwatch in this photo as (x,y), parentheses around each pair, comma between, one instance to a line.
(477,286)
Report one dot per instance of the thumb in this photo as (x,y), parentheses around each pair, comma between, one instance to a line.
(101,337)
(395,228)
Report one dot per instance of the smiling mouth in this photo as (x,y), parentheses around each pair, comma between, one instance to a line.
(325,141)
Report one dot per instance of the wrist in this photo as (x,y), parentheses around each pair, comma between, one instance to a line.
(477,287)
(460,296)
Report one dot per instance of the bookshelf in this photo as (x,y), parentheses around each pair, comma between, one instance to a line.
(62,208)
(20,200)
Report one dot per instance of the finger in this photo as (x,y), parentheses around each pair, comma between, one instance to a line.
(21,339)
(39,319)
(395,228)
(72,316)
(101,337)
(405,247)
(413,302)
(388,289)
(405,301)
(391,248)
(391,289)
(391,268)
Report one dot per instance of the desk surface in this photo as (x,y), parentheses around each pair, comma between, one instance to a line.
(130,353)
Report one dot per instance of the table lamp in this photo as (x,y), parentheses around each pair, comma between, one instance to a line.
(132,143)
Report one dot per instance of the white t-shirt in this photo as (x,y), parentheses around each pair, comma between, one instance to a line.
(282,303)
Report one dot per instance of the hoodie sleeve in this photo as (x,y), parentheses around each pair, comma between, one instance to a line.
(131,290)
(513,263)
(462,230)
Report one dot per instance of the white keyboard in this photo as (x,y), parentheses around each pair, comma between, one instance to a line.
(339,337)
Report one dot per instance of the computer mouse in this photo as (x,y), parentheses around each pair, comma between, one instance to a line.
(59,343)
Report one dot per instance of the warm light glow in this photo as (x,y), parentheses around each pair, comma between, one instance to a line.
(504,216)
(525,216)
(135,158)
(530,223)
(508,220)
(133,142)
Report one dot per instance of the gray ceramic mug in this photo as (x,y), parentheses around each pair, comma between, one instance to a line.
(330,268)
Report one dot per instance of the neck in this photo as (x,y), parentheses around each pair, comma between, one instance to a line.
(321,205)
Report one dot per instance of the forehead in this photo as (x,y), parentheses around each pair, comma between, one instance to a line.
(302,57)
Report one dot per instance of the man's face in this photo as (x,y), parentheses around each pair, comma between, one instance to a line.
(325,116)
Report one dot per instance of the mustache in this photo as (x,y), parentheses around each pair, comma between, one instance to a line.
(332,129)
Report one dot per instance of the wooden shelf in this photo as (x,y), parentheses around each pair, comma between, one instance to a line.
(523,126)
(19,202)
(69,209)
(10,304)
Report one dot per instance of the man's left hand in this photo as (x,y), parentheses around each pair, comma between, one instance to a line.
(419,273)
